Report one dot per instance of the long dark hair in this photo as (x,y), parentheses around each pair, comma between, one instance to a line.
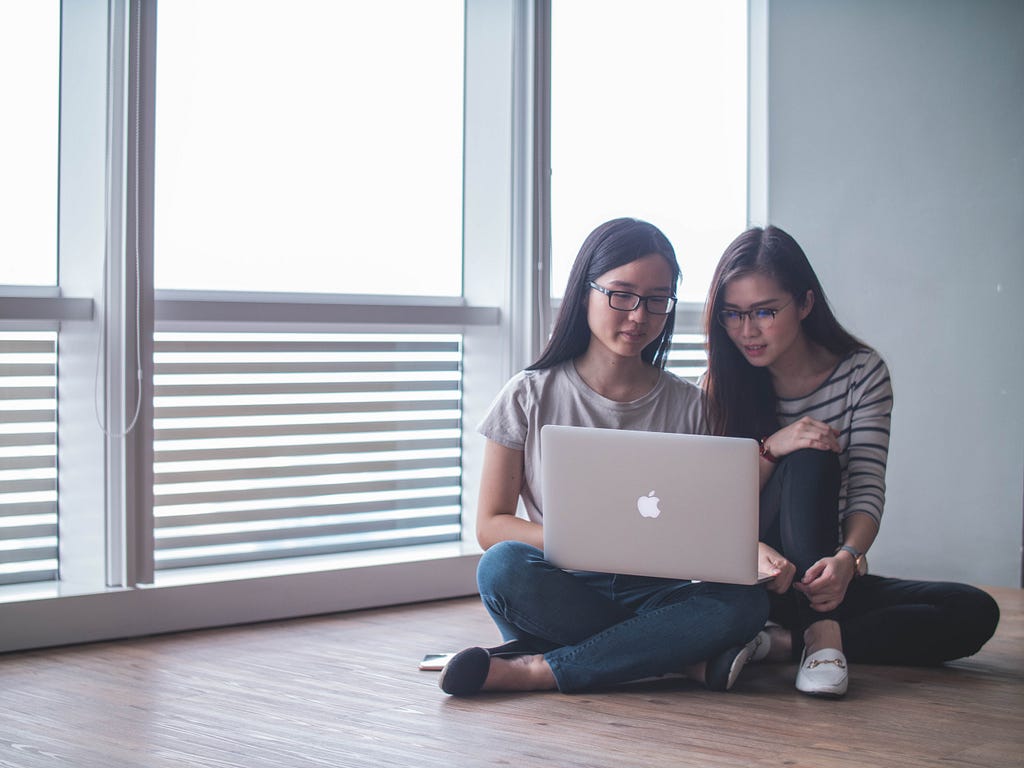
(741,400)
(614,243)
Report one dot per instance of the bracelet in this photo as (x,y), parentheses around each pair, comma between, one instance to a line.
(765,453)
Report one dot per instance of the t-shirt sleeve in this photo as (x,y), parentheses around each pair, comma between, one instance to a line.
(869,439)
(506,422)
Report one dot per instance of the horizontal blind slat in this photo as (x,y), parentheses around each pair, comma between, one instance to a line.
(422,442)
(304,470)
(28,370)
(292,492)
(228,369)
(166,517)
(252,553)
(10,510)
(27,392)
(28,485)
(351,427)
(8,463)
(29,416)
(23,439)
(293,347)
(199,389)
(282,409)
(26,346)
(222,535)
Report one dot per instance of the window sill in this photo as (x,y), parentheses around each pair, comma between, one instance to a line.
(37,616)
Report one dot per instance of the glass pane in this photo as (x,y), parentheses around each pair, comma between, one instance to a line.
(30,94)
(311,146)
(649,119)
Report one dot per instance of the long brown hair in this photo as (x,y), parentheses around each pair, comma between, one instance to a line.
(740,398)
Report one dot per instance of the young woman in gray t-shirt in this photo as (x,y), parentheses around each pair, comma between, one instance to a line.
(604,367)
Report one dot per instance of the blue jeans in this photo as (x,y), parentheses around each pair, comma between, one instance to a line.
(600,629)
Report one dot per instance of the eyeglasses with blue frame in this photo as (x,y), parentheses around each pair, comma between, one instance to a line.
(762,317)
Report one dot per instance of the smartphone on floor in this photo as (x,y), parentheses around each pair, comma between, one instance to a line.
(435,661)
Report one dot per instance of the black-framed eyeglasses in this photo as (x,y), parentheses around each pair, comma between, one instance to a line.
(762,318)
(624,301)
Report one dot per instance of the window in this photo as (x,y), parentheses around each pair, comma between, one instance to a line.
(29,89)
(291,443)
(328,137)
(305,439)
(649,119)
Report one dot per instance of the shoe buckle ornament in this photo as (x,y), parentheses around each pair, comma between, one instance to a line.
(818,662)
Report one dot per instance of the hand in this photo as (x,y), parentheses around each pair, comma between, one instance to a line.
(771,562)
(826,581)
(804,433)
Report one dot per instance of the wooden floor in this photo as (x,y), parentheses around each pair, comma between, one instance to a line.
(344,690)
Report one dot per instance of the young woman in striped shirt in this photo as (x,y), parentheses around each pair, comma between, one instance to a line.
(782,370)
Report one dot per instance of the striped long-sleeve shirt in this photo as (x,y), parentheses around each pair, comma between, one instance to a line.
(856,400)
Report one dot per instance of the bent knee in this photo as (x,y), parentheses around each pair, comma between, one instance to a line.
(977,616)
(812,460)
(503,561)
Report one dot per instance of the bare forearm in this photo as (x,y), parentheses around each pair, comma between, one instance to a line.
(859,532)
(491,529)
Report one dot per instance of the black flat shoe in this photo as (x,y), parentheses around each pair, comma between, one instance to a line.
(466,672)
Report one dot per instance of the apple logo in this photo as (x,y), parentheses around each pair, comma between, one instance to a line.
(648,505)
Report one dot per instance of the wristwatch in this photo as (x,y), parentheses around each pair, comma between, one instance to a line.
(852,550)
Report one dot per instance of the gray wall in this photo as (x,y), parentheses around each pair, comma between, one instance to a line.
(896,158)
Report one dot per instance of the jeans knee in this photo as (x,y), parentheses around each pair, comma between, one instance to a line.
(503,562)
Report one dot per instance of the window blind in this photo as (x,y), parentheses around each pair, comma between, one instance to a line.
(687,357)
(28,457)
(287,445)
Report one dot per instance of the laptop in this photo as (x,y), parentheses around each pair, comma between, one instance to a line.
(650,503)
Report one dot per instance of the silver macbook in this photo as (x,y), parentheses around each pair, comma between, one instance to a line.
(650,503)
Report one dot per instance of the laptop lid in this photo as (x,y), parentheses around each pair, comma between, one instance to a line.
(650,503)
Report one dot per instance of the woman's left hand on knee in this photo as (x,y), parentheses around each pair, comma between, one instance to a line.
(825,582)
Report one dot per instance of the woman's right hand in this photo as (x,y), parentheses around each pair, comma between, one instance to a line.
(771,562)
(804,433)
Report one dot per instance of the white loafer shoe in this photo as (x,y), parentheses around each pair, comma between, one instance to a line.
(823,673)
(760,646)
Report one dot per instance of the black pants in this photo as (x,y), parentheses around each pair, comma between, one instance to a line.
(883,620)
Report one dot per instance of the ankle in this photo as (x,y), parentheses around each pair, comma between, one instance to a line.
(520,673)
(823,634)
(781,647)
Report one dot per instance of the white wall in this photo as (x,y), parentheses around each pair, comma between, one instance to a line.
(896,158)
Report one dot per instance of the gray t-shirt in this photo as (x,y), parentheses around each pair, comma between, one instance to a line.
(558,395)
